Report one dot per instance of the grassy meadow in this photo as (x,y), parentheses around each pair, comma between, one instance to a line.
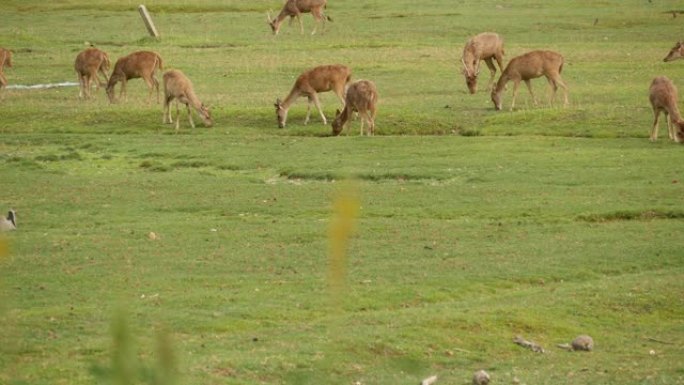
(473,226)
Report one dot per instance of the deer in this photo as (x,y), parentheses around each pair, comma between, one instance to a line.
(294,9)
(139,64)
(5,60)
(362,97)
(663,97)
(177,86)
(531,66)
(677,52)
(311,82)
(88,64)
(487,47)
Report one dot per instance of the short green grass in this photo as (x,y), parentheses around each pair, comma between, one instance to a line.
(474,225)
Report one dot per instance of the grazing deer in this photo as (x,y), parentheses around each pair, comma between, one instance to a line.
(140,64)
(677,52)
(663,97)
(487,47)
(178,86)
(318,79)
(88,64)
(362,97)
(531,66)
(294,9)
(5,59)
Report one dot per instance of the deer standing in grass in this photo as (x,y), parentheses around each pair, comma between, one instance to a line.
(294,9)
(318,79)
(88,64)
(178,86)
(677,52)
(487,47)
(140,64)
(531,66)
(663,97)
(5,60)
(362,97)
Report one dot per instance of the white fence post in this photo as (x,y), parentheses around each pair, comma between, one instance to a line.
(148,21)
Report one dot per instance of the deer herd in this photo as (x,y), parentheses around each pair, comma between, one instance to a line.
(359,97)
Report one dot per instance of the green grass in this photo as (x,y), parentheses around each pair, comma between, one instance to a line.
(474,225)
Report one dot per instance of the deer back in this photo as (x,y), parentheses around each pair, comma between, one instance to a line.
(90,60)
(534,64)
(663,94)
(305,5)
(362,95)
(323,78)
(138,64)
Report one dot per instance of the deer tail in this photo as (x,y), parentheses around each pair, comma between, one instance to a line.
(560,69)
(160,63)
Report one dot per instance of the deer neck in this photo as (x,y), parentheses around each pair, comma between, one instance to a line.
(673,111)
(345,114)
(501,84)
(290,99)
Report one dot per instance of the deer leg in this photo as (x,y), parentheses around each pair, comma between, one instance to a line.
(177,116)
(670,127)
(492,71)
(559,83)
(515,93)
(106,79)
(308,111)
(529,87)
(122,93)
(3,84)
(340,95)
(363,118)
(88,85)
(166,115)
(372,113)
(192,124)
(156,86)
(317,19)
(80,86)
(320,110)
(654,130)
(301,23)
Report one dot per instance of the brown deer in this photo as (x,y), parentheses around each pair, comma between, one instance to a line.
(140,64)
(362,97)
(663,97)
(677,52)
(88,64)
(487,47)
(178,86)
(318,79)
(531,66)
(294,9)
(5,59)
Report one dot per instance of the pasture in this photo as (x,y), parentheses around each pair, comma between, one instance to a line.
(474,226)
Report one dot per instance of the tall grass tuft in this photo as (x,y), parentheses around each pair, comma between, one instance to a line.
(125,366)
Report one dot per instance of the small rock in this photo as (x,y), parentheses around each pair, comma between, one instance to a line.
(481,378)
(583,342)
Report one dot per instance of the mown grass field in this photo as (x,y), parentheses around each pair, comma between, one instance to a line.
(474,225)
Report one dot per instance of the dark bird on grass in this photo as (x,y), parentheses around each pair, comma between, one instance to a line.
(9,223)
